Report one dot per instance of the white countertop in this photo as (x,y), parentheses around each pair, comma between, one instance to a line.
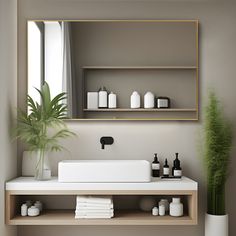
(29,183)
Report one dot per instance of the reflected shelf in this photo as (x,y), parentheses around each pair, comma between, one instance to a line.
(139,67)
(141,110)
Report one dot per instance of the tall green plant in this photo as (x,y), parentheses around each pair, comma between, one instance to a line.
(42,127)
(218,142)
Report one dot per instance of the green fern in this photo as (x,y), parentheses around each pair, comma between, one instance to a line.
(217,146)
(43,127)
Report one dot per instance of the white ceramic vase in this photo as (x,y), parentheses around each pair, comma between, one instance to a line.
(149,100)
(135,100)
(216,225)
(176,207)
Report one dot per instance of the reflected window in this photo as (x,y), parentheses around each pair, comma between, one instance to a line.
(53,56)
(35,53)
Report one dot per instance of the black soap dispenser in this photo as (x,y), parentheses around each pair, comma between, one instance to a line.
(176,170)
(155,167)
(166,169)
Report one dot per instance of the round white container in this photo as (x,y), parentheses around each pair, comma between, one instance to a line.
(165,203)
(155,211)
(24,210)
(176,207)
(112,100)
(33,211)
(149,100)
(162,210)
(135,100)
(216,225)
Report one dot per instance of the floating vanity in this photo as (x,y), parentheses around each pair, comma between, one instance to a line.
(19,189)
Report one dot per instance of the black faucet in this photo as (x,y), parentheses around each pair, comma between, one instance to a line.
(106,140)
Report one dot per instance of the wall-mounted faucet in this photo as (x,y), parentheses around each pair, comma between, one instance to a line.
(106,140)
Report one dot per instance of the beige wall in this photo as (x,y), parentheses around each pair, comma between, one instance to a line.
(8,89)
(139,140)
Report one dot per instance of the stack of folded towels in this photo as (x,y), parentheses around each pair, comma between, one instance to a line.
(94,207)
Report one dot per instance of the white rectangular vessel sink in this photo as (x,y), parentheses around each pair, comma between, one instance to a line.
(98,171)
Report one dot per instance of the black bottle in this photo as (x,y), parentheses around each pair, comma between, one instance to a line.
(176,170)
(166,169)
(155,167)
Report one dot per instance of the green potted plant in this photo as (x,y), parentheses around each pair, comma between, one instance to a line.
(42,127)
(217,147)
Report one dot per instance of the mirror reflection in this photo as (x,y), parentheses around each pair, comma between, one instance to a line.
(100,64)
(50,59)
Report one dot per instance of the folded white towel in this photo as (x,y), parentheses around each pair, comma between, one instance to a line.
(94,217)
(79,211)
(93,199)
(93,206)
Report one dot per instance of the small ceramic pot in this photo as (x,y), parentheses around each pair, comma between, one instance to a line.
(33,211)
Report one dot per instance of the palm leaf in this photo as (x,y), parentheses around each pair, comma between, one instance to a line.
(33,128)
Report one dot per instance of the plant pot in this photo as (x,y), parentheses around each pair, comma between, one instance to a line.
(42,169)
(216,225)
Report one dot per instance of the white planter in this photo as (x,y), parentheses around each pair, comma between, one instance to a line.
(216,225)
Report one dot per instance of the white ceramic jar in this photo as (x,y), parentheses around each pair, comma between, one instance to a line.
(162,210)
(176,207)
(135,100)
(165,203)
(155,211)
(149,100)
(24,210)
(33,211)
(112,100)
(102,98)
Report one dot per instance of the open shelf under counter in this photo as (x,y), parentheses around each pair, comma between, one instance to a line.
(122,217)
(26,187)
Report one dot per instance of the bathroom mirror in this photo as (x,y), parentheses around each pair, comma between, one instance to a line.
(77,57)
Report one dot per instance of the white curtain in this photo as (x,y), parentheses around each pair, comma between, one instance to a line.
(67,67)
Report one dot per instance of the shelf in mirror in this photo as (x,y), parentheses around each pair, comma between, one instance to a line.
(139,67)
(141,110)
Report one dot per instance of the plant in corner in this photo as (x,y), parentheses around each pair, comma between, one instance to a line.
(217,147)
(42,127)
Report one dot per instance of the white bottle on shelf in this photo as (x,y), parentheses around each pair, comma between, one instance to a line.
(149,100)
(135,100)
(155,211)
(24,210)
(112,100)
(162,210)
(176,207)
(165,203)
(102,98)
